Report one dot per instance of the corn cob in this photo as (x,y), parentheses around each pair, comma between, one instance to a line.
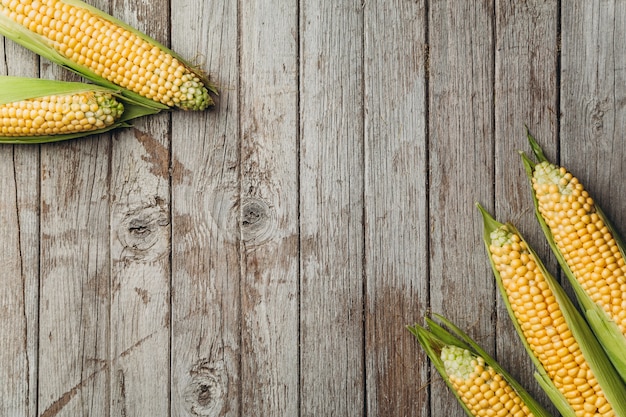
(482,389)
(587,248)
(480,385)
(105,50)
(581,235)
(574,370)
(53,115)
(35,110)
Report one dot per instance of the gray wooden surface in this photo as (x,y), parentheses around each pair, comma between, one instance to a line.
(263,258)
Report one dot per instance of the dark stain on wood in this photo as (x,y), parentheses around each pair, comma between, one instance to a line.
(402,352)
(143,294)
(180,174)
(157,155)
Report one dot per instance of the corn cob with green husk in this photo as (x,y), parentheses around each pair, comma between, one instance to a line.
(573,369)
(587,247)
(105,50)
(34,110)
(481,386)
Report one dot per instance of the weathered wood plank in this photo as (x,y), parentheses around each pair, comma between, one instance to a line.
(461,166)
(206,307)
(331,214)
(334,182)
(396,221)
(593,101)
(19,257)
(526,93)
(140,246)
(75,287)
(140,241)
(269,207)
(19,226)
(74,352)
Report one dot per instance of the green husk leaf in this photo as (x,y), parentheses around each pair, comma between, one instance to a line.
(537,151)
(432,346)
(22,88)
(437,336)
(606,330)
(599,363)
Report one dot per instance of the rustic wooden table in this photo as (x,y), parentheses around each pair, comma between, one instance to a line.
(263,258)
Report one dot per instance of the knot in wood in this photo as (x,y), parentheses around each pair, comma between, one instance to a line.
(257,220)
(596,113)
(204,394)
(143,233)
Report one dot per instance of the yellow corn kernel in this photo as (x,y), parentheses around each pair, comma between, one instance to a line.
(592,253)
(88,39)
(53,115)
(552,342)
(479,386)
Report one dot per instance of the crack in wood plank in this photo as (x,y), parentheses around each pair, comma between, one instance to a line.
(56,407)
(136,345)
(121,381)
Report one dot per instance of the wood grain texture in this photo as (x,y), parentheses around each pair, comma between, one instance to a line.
(526,95)
(19,258)
(140,246)
(75,277)
(263,258)
(396,219)
(461,160)
(593,101)
(206,272)
(140,272)
(331,209)
(18,300)
(269,207)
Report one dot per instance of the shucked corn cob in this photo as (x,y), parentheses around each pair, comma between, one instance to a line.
(100,47)
(482,387)
(583,238)
(543,324)
(578,376)
(51,115)
(587,248)
(34,110)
